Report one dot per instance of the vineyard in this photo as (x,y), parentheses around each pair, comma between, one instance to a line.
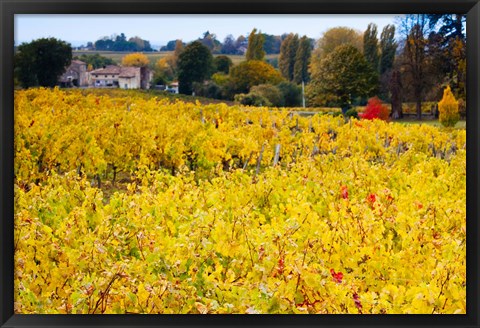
(128,204)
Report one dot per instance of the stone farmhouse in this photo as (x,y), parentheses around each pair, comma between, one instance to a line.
(111,76)
(76,75)
(121,77)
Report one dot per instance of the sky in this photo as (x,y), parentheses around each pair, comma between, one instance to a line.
(159,29)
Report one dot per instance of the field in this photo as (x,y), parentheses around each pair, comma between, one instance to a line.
(129,203)
(153,56)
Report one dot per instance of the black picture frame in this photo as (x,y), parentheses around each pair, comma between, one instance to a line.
(9,8)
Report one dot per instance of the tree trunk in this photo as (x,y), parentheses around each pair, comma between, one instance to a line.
(419,109)
(395,87)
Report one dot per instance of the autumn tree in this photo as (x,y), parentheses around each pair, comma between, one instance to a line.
(335,37)
(195,64)
(370,46)
(179,46)
(165,69)
(414,57)
(250,73)
(302,60)
(341,77)
(136,59)
(255,46)
(210,41)
(288,52)
(41,62)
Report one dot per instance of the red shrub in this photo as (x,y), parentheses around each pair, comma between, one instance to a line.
(375,109)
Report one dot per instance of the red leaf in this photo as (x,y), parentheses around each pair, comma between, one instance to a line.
(371,199)
(356,299)
(344,191)
(337,276)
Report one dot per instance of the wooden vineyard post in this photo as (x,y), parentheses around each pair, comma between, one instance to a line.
(277,154)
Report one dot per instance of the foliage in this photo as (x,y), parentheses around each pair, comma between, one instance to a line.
(96,60)
(229,47)
(291,93)
(210,41)
(340,77)
(207,89)
(375,110)
(250,73)
(120,43)
(220,79)
(41,62)
(255,46)
(352,112)
(195,64)
(272,43)
(270,92)
(370,46)
(414,56)
(222,64)
(448,108)
(302,60)
(388,47)
(343,224)
(136,59)
(252,99)
(335,37)
(166,68)
(171,45)
(288,52)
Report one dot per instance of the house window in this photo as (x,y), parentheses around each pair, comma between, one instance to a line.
(126,86)
(105,76)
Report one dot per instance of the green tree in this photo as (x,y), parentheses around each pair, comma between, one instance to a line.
(96,60)
(302,59)
(388,47)
(41,62)
(370,46)
(452,47)
(288,52)
(270,92)
(341,77)
(222,64)
(292,94)
(255,46)
(195,64)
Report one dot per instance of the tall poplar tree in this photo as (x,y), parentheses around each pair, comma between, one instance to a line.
(288,52)
(388,47)
(370,46)
(302,59)
(255,46)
